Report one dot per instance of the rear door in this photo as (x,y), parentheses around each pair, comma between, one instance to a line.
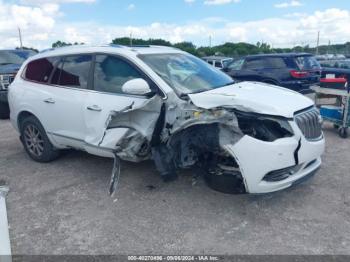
(37,89)
(115,120)
(63,104)
(249,70)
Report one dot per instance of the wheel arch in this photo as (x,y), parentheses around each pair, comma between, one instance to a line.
(23,115)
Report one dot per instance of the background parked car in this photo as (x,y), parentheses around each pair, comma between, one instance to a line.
(10,62)
(336,68)
(296,71)
(220,62)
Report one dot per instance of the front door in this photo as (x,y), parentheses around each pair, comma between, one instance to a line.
(111,115)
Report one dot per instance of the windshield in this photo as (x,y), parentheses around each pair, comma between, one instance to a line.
(307,62)
(227,62)
(14,56)
(236,64)
(186,73)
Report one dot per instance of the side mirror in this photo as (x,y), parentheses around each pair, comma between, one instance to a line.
(136,86)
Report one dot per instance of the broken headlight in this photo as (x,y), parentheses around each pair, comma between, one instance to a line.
(265,128)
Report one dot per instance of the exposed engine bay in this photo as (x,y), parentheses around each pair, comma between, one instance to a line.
(186,136)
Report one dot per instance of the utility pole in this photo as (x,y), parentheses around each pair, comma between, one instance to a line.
(318,42)
(131,39)
(20,37)
(210,41)
(329,45)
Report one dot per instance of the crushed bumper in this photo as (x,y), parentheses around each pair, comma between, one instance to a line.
(258,158)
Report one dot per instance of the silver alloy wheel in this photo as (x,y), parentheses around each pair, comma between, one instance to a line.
(33,140)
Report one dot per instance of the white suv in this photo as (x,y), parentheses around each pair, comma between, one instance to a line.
(151,102)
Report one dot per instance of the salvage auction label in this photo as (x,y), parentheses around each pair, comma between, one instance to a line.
(173,258)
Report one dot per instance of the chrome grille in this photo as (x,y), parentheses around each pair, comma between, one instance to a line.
(309,123)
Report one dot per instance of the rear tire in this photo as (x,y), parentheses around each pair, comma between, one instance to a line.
(35,141)
(4,110)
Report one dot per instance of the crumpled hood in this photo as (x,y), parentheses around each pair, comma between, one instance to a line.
(9,69)
(253,97)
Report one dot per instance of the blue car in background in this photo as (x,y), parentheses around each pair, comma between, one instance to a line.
(296,71)
(10,62)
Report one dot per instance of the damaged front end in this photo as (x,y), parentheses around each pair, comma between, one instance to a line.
(235,151)
(194,137)
(182,136)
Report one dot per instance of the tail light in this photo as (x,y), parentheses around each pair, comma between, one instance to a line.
(298,74)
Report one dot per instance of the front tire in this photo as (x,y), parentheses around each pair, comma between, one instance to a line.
(4,110)
(35,141)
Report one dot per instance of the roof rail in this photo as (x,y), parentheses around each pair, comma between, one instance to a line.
(61,47)
(114,45)
(46,50)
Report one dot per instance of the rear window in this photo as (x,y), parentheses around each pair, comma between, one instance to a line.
(73,71)
(306,62)
(40,70)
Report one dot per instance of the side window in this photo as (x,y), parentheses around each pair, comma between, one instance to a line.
(274,63)
(254,64)
(73,71)
(111,73)
(40,70)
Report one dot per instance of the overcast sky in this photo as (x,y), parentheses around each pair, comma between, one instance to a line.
(281,23)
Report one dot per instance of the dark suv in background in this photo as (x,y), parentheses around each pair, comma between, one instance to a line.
(336,68)
(10,62)
(296,71)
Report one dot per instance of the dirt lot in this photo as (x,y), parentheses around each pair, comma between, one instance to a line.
(64,208)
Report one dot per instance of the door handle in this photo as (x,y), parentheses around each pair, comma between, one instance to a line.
(94,108)
(49,101)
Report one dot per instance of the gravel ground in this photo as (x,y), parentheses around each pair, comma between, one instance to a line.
(63,208)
